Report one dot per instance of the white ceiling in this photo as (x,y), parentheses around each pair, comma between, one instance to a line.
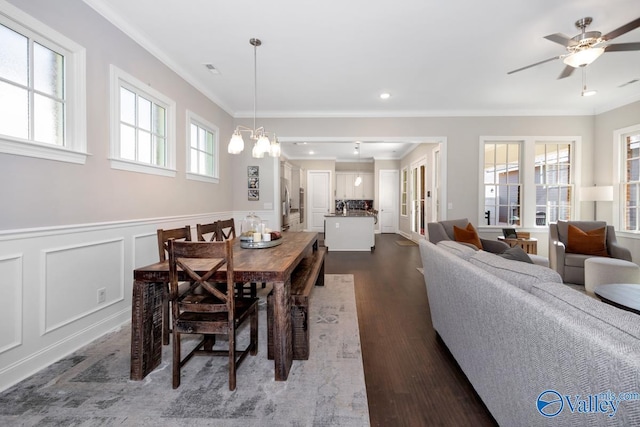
(333,58)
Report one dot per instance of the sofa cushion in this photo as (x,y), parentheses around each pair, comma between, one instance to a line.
(588,309)
(467,235)
(592,242)
(521,274)
(460,250)
(516,253)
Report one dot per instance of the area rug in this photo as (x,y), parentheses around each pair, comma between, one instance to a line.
(92,387)
(406,243)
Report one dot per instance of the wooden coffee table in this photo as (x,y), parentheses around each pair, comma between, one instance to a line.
(622,295)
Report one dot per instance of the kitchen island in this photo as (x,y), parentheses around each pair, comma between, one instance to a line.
(350,231)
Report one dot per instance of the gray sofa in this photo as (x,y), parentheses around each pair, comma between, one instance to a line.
(443,230)
(571,266)
(524,339)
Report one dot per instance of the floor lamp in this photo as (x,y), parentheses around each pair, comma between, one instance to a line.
(595,194)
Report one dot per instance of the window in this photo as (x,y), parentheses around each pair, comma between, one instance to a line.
(502,187)
(403,191)
(202,150)
(631,179)
(142,127)
(42,90)
(553,182)
(528,181)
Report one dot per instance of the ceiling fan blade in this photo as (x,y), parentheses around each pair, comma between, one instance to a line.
(622,30)
(537,63)
(560,38)
(622,47)
(566,72)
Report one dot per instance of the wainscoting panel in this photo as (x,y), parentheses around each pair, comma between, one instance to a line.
(80,273)
(50,279)
(11,291)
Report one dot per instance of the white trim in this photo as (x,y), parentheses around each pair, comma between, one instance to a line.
(75,149)
(117,77)
(104,9)
(527,178)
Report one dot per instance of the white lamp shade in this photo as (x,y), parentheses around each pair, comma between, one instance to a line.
(236,145)
(274,150)
(256,153)
(603,193)
(583,57)
(263,144)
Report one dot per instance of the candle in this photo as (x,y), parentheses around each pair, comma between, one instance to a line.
(257,237)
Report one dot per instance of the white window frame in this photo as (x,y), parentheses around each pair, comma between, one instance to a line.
(527,176)
(75,126)
(118,78)
(482,186)
(619,171)
(194,119)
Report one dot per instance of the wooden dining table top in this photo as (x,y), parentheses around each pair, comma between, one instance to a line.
(273,264)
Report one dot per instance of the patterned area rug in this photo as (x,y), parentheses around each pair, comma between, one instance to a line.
(92,387)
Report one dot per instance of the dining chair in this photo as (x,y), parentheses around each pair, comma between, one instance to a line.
(183,233)
(220,231)
(211,310)
(203,229)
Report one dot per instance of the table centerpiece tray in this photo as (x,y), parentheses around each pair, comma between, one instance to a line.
(250,244)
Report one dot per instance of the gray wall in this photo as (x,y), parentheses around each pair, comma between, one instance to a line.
(39,192)
(462,136)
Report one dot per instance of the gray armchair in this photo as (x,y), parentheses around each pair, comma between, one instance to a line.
(443,230)
(570,266)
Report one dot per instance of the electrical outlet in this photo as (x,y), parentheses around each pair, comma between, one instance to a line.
(337,225)
(102,295)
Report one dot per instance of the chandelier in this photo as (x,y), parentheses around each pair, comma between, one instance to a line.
(262,143)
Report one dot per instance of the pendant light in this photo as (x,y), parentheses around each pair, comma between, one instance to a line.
(262,143)
(358,180)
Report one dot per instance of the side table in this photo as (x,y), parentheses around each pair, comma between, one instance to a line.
(622,295)
(529,245)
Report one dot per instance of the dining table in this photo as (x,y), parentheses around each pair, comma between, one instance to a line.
(258,265)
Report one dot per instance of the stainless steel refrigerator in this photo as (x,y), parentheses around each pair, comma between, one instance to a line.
(285,197)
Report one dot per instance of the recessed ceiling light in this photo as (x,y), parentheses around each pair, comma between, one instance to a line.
(385,95)
(311,152)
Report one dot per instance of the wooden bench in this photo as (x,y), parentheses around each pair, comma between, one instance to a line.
(309,273)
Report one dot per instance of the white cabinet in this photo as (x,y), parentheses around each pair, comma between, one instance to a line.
(346,189)
(344,185)
(368,187)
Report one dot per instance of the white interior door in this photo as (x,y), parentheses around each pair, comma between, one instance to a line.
(318,198)
(389,201)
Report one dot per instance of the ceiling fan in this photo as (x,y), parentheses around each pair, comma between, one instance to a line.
(587,46)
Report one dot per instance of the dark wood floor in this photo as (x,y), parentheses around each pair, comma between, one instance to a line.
(411,378)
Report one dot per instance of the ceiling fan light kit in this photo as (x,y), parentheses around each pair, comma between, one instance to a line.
(586,47)
(262,145)
(582,58)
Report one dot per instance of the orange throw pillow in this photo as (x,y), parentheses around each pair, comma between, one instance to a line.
(467,235)
(591,242)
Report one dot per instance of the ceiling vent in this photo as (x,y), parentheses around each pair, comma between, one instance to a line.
(630,82)
(212,69)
